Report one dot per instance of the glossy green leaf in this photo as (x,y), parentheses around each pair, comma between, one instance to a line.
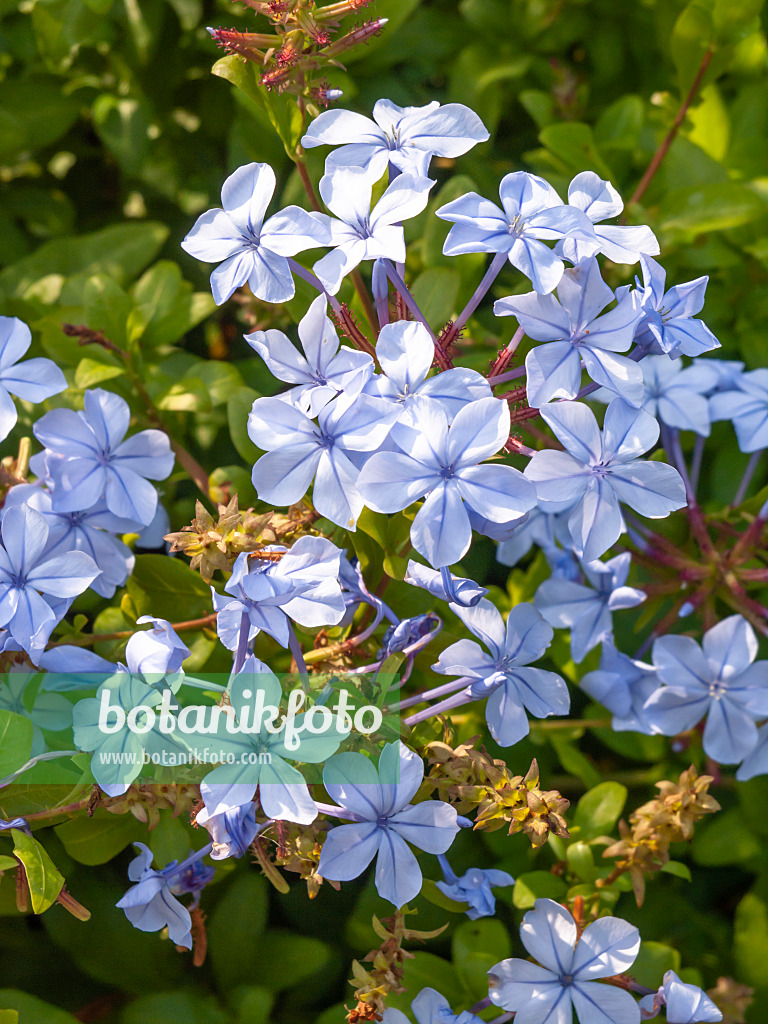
(15,741)
(44,880)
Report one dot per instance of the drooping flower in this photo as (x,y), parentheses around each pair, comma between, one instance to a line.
(442,461)
(576,333)
(34,380)
(718,680)
(232,830)
(504,675)
(600,469)
(151,903)
(383,821)
(682,1003)
(88,459)
(567,979)
(587,610)
(324,371)
(361,233)
(442,584)
(251,249)
(473,887)
(532,211)
(405,138)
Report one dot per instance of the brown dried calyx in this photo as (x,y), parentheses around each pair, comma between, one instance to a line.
(469,778)
(215,545)
(669,818)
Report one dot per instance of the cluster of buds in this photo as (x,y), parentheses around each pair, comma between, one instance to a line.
(214,545)
(669,818)
(145,802)
(386,974)
(303,43)
(298,850)
(469,778)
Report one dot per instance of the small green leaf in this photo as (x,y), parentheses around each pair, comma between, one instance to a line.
(90,373)
(750,941)
(239,405)
(476,947)
(653,961)
(98,839)
(45,882)
(534,885)
(678,869)
(281,109)
(599,809)
(15,741)
(715,207)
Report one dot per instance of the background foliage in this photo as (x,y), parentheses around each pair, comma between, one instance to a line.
(114,135)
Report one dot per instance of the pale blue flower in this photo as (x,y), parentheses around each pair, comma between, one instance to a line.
(88,459)
(473,887)
(756,762)
(570,967)
(403,138)
(682,1004)
(28,577)
(718,680)
(261,754)
(532,211)
(429,1007)
(303,585)
(747,407)
(253,250)
(587,608)
(675,395)
(92,531)
(623,685)
(405,352)
(300,450)
(324,371)
(577,333)
(669,324)
(504,675)
(34,380)
(441,461)
(600,469)
(599,200)
(383,821)
(361,233)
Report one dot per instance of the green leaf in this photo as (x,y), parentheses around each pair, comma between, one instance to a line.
(306,956)
(725,839)
(581,861)
(8,864)
(281,109)
(750,941)
(107,308)
(219,379)
(678,869)
(476,947)
(619,126)
(123,124)
(715,207)
(90,373)
(184,1007)
(234,950)
(599,809)
(653,961)
(534,885)
(175,591)
(31,1010)
(15,741)
(9,1017)
(34,112)
(572,759)
(573,146)
(119,252)
(45,882)
(426,970)
(98,839)
(239,406)
(435,292)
